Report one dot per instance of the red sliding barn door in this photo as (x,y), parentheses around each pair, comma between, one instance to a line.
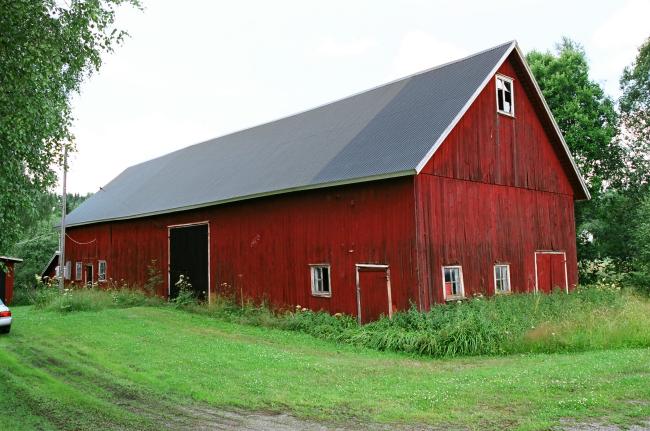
(551,271)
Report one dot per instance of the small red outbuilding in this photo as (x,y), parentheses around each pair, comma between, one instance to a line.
(7,278)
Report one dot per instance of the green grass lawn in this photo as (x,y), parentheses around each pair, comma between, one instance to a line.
(140,367)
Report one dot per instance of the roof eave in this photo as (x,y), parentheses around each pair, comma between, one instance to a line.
(10,259)
(405,173)
(556,128)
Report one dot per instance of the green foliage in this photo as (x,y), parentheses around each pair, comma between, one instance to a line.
(607,225)
(47,48)
(601,273)
(185,295)
(640,274)
(39,238)
(585,115)
(154,278)
(91,299)
(634,105)
(500,325)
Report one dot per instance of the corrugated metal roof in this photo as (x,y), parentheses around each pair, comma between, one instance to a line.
(383,132)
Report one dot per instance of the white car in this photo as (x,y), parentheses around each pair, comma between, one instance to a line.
(5,318)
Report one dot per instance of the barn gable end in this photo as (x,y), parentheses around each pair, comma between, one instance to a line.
(498,189)
(494,148)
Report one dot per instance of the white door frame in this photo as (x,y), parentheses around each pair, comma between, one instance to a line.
(566,274)
(373,267)
(169,254)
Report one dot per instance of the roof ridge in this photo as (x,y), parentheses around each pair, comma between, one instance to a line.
(358,93)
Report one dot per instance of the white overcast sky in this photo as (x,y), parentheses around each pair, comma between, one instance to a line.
(194,70)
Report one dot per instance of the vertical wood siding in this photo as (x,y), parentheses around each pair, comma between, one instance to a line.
(496,191)
(263,247)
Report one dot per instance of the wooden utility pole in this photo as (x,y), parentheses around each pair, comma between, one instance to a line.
(62,267)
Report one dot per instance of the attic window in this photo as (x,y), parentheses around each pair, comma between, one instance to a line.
(505,95)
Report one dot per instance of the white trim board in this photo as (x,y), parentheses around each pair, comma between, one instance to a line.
(370,267)
(566,272)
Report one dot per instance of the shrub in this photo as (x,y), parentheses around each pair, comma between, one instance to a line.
(154,278)
(24,296)
(185,295)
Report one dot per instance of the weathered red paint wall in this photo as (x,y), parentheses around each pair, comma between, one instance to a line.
(494,192)
(263,247)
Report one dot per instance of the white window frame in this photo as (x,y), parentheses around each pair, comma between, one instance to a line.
(462,283)
(101,276)
(507,266)
(512,94)
(67,270)
(78,271)
(313,268)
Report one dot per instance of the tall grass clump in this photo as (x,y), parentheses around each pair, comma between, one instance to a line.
(92,299)
(597,317)
(587,318)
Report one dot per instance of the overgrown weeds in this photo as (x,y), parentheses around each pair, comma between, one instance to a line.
(588,318)
(92,299)
(585,319)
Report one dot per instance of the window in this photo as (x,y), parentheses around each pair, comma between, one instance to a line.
(505,97)
(452,278)
(78,271)
(320,280)
(67,270)
(502,278)
(101,271)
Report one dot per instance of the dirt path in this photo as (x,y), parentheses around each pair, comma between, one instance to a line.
(207,418)
(595,426)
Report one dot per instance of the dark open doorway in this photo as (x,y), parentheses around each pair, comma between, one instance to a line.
(188,256)
(89,275)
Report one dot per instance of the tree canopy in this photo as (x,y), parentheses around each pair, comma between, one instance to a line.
(47,48)
(585,114)
(635,115)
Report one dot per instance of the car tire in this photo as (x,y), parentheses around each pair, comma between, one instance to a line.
(5,329)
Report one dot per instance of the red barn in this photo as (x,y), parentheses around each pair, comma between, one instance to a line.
(7,278)
(449,183)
